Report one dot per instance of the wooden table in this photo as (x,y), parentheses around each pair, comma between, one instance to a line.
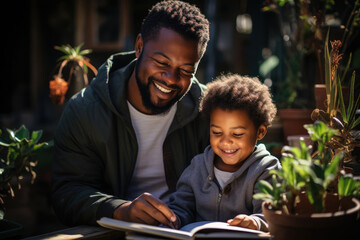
(81,232)
(97,233)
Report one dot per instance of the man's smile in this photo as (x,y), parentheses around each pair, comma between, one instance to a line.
(162,89)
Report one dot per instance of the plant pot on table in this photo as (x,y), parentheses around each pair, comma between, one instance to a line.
(328,225)
(320,96)
(293,121)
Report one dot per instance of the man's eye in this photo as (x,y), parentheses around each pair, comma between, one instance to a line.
(186,73)
(160,62)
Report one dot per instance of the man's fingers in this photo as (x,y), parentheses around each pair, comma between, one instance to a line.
(160,206)
(152,210)
(146,209)
(143,217)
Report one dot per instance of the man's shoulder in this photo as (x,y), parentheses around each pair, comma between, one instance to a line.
(85,104)
(197,88)
(84,98)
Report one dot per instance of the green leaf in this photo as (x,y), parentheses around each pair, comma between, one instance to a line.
(342,104)
(315,194)
(22,133)
(327,64)
(78,48)
(355,106)
(356,122)
(13,154)
(11,135)
(85,52)
(318,176)
(64,49)
(346,186)
(36,135)
(40,146)
(351,98)
(333,167)
(265,187)
(4,142)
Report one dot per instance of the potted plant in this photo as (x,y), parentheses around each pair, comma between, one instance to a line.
(78,62)
(19,153)
(331,62)
(300,203)
(340,111)
(300,36)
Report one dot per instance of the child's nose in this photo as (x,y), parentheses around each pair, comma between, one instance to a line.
(226,140)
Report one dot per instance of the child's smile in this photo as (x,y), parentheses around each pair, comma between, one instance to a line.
(233,137)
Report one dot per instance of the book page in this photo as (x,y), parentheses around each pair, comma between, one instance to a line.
(143,228)
(218,226)
(206,229)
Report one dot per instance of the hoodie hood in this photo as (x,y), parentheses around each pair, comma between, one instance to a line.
(110,85)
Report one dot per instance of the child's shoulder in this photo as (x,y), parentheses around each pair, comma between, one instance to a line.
(264,157)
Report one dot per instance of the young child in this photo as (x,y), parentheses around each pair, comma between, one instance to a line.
(219,184)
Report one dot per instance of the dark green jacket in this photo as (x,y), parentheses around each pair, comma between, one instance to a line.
(96,148)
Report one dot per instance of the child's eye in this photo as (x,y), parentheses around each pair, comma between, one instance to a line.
(238,134)
(216,133)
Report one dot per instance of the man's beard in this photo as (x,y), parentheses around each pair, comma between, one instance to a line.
(145,92)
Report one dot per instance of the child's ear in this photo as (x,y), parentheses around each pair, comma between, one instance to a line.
(261,132)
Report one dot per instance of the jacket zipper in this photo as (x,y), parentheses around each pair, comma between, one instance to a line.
(218,205)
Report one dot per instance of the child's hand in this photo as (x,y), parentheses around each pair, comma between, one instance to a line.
(243,220)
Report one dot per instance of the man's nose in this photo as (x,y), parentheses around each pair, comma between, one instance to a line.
(170,76)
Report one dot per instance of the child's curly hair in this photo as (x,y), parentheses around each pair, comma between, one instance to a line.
(235,92)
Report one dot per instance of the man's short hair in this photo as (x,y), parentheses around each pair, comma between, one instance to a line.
(181,17)
(235,92)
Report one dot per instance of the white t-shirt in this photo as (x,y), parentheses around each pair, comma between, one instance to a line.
(149,173)
(222,177)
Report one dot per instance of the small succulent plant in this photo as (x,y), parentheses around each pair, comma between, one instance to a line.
(19,148)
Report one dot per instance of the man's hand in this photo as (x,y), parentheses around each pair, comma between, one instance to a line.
(146,209)
(243,220)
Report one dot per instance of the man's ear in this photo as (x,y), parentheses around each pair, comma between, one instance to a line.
(261,132)
(138,45)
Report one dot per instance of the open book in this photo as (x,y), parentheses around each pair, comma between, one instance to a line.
(195,230)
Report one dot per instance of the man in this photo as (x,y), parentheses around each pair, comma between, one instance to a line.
(136,127)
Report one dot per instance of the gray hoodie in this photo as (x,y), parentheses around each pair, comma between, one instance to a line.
(199,198)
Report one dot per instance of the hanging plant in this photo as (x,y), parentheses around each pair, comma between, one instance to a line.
(76,57)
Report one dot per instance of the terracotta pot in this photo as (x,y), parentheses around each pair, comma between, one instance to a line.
(320,96)
(293,121)
(337,225)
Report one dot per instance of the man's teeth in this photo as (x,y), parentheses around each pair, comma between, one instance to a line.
(230,151)
(164,90)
